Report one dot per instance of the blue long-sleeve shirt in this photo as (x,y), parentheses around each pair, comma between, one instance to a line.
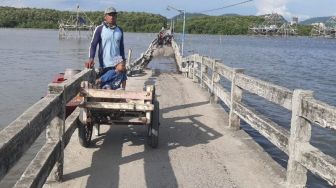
(111,44)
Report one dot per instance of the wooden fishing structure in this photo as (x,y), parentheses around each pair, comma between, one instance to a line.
(77,26)
(327,29)
(274,25)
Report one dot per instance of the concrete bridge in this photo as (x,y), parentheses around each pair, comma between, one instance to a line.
(200,145)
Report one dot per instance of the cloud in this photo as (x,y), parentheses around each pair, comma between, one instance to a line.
(272,6)
(17,4)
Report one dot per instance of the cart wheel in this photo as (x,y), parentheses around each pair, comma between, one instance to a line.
(153,129)
(84,133)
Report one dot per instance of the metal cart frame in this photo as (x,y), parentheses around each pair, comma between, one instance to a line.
(100,106)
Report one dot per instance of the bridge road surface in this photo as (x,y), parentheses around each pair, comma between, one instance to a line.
(196,147)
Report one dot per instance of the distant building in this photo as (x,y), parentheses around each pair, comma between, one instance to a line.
(295,21)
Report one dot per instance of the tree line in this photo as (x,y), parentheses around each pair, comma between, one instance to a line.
(136,21)
(49,19)
(223,25)
(227,25)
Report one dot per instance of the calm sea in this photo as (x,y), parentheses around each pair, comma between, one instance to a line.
(30,59)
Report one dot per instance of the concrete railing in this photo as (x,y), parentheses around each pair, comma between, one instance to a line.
(178,57)
(305,111)
(47,114)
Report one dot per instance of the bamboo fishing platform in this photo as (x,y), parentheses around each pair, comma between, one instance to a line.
(200,145)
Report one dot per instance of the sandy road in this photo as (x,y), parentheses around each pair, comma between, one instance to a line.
(196,148)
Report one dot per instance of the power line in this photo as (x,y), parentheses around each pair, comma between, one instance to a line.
(227,6)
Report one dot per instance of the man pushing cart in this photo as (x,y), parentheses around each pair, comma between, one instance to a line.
(106,101)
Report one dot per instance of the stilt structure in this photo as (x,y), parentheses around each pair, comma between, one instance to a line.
(276,25)
(77,26)
(327,29)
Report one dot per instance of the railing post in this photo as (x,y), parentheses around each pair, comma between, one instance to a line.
(185,63)
(128,63)
(300,133)
(201,72)
(236,96)
(189,69)
(194,68)
(213,96)
(54,133)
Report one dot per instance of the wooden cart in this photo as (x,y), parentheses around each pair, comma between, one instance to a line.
(117,107)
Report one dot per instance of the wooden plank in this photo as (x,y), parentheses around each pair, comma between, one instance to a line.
(117,94)
(16,138)
(223,94)
(39,169)
(118,106)
(318,112)
(319,163)
(273,93)
(225,71)
(272,131)
(72,86)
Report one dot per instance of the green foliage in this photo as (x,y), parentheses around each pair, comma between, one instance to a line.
(141,22)
(304,30)
(136,21)
(48,18)
(223,25)
(226,25)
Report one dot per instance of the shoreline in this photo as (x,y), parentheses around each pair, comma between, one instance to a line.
(191,34)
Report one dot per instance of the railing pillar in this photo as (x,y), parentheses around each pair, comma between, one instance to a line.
(190,63)
(300,134)
(128,63)
(185,63)
(201,72)
(236,96)
(54,133)
(213,97)
(204,70)
(194,68)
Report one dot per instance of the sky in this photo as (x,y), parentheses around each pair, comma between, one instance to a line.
(302,8)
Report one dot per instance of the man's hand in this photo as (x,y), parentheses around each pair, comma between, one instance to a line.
(100,69)
(98,81)
(89,64)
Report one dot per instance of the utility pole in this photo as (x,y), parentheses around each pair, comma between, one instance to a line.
(184,24)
